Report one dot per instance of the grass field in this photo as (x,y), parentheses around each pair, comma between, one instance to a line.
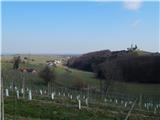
(34,59)
(32,110)
(65,78)
(49,111)
(59,109)
(68,79)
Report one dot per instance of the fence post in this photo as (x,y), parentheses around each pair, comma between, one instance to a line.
(30,95)
(7,93)
(23,86)
(17,94)
(52,95)
(140,101)
(2,100)
(133,105)
(40,92)
(79,104)
(22,90)
(87,101)
(71,97)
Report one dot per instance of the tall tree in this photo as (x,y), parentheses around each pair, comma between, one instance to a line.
(16,62)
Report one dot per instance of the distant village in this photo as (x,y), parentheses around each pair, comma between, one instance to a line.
(54,63)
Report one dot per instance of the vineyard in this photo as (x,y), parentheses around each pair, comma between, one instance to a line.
(115,105)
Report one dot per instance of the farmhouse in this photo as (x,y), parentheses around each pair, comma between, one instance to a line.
(57,62)
(54,62)
(28,70)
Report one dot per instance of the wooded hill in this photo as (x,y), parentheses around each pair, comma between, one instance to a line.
(125,65)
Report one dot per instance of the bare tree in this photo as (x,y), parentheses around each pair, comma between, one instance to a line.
(16,62)
(112,73)
(48,76)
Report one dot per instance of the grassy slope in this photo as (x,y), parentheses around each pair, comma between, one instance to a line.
(37,58)
(49,111)
(136,88)
(68,79)
(59,109)
(33,110)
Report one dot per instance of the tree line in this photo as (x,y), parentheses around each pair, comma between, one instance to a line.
(123,65)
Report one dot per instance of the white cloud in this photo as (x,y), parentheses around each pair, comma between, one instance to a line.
(136,23)
(132,4)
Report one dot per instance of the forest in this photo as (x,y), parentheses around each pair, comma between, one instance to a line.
(125,65)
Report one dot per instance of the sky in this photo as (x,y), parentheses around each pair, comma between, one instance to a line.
(79,27)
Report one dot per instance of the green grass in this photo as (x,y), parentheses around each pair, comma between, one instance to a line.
(69,79)
(37,58)
(62,77)
(34,110)
(64,109)
(137,88)
(50,111)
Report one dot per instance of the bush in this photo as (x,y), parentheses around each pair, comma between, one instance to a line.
(47,74)
(79,84)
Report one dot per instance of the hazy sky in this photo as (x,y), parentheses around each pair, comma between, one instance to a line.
(78,27)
